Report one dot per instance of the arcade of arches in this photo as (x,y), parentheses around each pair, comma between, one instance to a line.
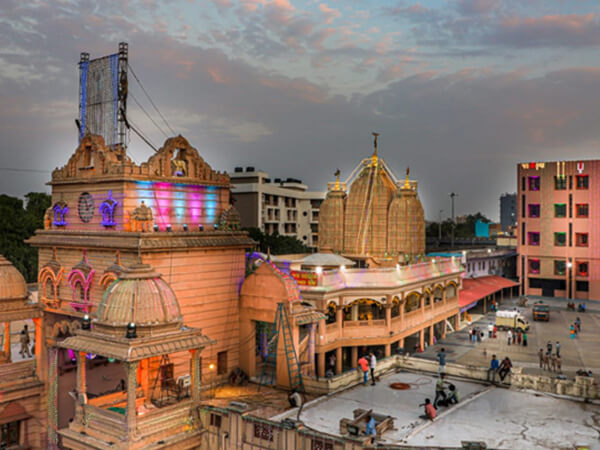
(405,319)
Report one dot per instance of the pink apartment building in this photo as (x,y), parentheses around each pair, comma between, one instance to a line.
(559,229)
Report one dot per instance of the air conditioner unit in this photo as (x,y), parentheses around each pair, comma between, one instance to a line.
(185,381)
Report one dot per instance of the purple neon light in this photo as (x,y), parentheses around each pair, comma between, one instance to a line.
(59,214)
(107,209)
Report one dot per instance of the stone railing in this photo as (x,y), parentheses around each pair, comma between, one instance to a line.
(364,323)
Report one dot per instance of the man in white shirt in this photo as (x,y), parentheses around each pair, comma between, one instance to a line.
(372,365)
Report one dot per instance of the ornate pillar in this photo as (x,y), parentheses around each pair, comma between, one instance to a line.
(422,305)
(402,305)
(311,348)
(131,371)
(322,330)
(388,350)
(354,357)
(431,334)
(7,341)
(444,328)
(422,339)
(338,360)
(388,317)
(81,388)
(195,374)
(339,316)
(52,403)
(457,322)
(38,343)
(354,312)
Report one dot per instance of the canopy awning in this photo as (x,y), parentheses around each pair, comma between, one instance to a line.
(129,350)
(308,317)
(474,289)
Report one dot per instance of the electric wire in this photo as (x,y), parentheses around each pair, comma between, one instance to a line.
(13,169)
(148,115)
(140,134)
(150,99)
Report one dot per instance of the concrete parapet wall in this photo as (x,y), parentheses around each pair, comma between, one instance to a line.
(346,379)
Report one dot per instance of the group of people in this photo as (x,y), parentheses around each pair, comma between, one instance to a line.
(500,368)
(575,328)
(476,334)
(518,337)
(368,363)
(442,397)
(549,360)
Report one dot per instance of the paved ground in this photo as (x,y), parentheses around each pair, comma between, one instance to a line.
(503,419)
(582,352)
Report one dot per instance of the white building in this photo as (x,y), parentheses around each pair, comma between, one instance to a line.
(284,206)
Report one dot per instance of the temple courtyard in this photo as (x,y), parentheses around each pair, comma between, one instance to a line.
(502,418)
(580,353)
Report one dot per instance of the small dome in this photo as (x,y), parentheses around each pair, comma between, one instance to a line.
(12,283)
(142,297)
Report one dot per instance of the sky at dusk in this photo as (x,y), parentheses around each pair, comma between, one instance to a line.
(460,91)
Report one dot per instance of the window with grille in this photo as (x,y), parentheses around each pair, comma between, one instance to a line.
(533,238)
(582,269)
(560,183)
(534,266)
(582,209)
(581,239)
(10,434)
(215,420)
(559,267)
(534,210)
(263,431)
(583,181)
(534,183)
(321,444)
(560,210)
(560,239)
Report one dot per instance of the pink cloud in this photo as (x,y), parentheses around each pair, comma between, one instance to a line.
(330,14)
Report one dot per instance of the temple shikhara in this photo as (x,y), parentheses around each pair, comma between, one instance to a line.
(373,215)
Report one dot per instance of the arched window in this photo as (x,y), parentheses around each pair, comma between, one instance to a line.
(438,293)
(331,312)
(412,302)
(451,290)
(395,307)
(368,309)
(427,297)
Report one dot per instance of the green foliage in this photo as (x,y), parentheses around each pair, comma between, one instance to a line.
(18,223)
(278,245)
(465,230)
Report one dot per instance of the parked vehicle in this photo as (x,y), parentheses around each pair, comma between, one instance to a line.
(511,320)
(541,311)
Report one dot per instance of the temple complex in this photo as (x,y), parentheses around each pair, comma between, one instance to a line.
(109,213)
(373,216)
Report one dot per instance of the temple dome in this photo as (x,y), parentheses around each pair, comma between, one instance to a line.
(407,224)
(12,283)
(142,297)
(331,221)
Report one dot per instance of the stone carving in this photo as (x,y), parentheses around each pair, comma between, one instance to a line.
(141,218)
(230,219)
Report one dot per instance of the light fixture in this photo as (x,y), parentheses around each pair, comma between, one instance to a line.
(319,270)
(156,228)
(86,323)
(489,250)
(342,268)
(569,264)
(131,331)
(211,366)
(185,227)
(200,227)
(397,266)
(169,227)
(216,226)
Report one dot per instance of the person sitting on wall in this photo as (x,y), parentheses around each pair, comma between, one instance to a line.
(370,431)
(430,411)
(453,395)
(295,399)
(581,307)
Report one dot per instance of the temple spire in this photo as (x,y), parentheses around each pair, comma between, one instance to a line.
(374,157)
(406,181)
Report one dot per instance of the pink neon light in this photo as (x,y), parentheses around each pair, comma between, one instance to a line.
(163,201)
(74,278)
(195,205)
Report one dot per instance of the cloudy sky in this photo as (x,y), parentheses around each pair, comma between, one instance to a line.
(460,91)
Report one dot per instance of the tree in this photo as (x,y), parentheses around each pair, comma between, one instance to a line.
(275,243)
(464,230)
(18,223)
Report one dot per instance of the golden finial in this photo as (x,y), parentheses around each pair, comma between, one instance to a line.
(374,157)
(406,182)
(337,179)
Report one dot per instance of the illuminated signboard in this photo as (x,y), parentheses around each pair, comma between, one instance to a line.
(305,278)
